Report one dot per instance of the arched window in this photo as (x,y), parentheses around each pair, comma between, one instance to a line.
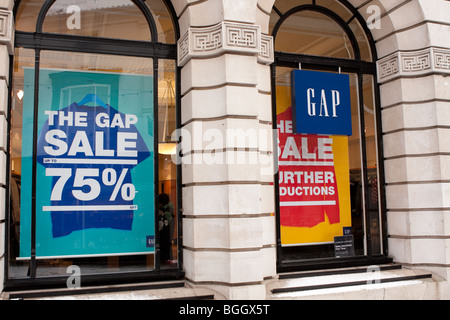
(93,103)
(328,184)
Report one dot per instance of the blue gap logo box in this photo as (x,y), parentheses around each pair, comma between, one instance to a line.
(321,103)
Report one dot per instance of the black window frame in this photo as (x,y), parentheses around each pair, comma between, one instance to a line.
(360,68)
(39,41)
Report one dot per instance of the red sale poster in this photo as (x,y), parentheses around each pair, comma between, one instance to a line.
(314,187)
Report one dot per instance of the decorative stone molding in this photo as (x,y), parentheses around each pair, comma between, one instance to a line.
(6,29)
(201,42)
(417,63)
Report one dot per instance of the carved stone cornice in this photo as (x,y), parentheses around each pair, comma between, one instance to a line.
(413,63)
(7,30)
(226,36)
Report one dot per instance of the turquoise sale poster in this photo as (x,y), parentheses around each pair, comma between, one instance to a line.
(95,164)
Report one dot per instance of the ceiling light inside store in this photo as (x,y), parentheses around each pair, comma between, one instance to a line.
(167,148)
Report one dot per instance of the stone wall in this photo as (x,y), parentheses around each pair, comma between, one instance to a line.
(6,49)
(228,220)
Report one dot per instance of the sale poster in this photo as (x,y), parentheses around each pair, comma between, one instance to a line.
(95,183)
(314,186)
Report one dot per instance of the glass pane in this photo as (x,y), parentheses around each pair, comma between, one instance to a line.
(313,33)
(361,38)
(27,14)
(167,168)
(163,20)
(285,5)
(336,7)
(119,19)
(318,197)
(23,60)
(372,163)
(95,185)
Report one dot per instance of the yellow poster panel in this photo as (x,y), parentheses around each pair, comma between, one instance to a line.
(314,182)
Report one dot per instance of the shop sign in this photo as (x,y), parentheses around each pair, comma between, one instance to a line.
(321,103)
(95,186)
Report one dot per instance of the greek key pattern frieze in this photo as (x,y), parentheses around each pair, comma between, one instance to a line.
(416,63)
(388,67)
(6,29)
(442,59)
(200,42)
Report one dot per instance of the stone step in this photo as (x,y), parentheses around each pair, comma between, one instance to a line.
(333,283)
(173,290)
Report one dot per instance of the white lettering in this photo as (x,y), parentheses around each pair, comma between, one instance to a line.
(124,144)
(311,106)
(81,144)
(336,100)
(51,138)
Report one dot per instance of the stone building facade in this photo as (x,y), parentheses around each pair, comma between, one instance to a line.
(224,54)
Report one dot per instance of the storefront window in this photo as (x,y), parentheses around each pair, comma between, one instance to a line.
(90,182)
(327,185)
(313,33)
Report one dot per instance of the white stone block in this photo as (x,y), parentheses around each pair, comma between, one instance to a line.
(428,223)
(269,256)
(222,199)
(219,166)
(2,203)
(421,253)
(228,68)
(398,223)
(242,11)
(394,144)
(268,230)
(435,10)
(392,118)
(417,196)
(220,102)
(267,198)
(413,38)
(3,97)
(264,80)
(7,5)
(3,132)
(2,168)
(227,133)
(223,266)
(420,115)
(406,16)
(223,233)
(400,250)
(264,107)
(395,170)
(4,59)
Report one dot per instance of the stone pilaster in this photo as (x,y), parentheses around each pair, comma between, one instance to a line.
(228,207)
(6,49)
(414,76)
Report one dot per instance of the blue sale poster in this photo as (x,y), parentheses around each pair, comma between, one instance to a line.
(95,164)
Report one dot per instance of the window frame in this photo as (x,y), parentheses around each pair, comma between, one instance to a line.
(359,68)
(39,41)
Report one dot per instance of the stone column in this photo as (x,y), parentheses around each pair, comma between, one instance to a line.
(227,166)
(413,44)
(6,49)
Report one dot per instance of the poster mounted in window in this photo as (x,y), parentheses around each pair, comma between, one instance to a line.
(314,183)
(95,166)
